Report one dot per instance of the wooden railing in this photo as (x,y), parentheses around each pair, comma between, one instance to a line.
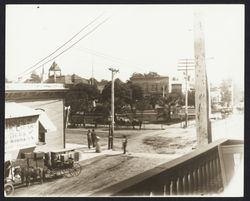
(199,172)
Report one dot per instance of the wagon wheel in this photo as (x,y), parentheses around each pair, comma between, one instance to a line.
(58,172)
(76,169)
(67,172)
(8,189)
(51,172)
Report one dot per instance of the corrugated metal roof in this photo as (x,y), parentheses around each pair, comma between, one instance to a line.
(15,110)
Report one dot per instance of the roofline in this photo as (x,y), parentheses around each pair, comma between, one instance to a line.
(20,87)
(15,117)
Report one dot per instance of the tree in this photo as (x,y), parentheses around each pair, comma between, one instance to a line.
(122,95)
(136,94)
(153,100)
(80,97)
(151,75)
(34,78)
(166,103)
(127,95)
(137,75)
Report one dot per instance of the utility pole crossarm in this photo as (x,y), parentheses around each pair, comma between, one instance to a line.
(114,70)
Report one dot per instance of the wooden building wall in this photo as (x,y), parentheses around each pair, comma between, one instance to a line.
(54,109)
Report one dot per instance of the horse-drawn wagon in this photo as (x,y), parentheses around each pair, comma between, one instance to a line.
(62,163)
(18,172)
(39,166)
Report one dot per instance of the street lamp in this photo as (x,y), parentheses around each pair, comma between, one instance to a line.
(111,136)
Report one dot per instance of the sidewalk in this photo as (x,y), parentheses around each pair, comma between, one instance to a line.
(86,153)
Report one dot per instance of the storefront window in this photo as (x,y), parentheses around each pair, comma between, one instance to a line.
(41,135)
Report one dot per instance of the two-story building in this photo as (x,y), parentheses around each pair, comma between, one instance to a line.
(152,85)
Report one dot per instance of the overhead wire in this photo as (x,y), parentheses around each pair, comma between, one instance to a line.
(63,44)
(109,57)
(71,45)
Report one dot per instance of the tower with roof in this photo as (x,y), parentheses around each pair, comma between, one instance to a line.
(55,71)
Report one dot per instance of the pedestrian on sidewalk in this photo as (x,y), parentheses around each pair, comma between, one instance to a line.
(93,136)
(124,144)
(98,148)
(89,138)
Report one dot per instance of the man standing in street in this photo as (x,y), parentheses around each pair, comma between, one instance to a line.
(124,144)
(89,139)
(93,136)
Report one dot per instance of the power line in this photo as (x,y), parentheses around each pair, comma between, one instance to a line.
(71,45)
(63,44)
(109,57)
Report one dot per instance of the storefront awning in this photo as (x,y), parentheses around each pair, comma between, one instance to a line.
(45,122)
(15,110)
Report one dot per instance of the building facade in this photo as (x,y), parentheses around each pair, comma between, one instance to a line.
(176,88)
(21,130)
(47,100)
(157,85)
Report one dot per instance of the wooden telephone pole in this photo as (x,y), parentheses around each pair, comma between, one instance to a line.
(203,128)
(111,137)
(186,65)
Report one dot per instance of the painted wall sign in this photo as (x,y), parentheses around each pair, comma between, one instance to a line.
(21,133)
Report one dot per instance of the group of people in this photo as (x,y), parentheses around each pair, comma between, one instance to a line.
(93,140)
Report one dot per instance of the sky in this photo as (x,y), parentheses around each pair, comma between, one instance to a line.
(135,38)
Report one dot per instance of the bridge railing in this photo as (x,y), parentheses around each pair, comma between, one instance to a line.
(202,171)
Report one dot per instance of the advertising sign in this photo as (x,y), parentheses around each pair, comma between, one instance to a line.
(21,133)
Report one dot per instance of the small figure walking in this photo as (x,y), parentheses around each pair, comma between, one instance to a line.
(93,136)
(89,139)
(124,144)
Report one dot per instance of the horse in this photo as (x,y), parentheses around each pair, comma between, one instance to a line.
(29,173)
(121,121)
(136,122)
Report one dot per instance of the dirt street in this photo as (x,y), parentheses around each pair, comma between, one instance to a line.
(147,148)
(152,139)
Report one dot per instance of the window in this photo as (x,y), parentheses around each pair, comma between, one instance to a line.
(154,87)
(45,125)
(41,135)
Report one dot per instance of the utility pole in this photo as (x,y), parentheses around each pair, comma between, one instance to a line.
(111,137)
(186,65)
(201,85)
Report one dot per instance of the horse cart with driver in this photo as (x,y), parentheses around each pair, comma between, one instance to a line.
(17,173)
(39,166)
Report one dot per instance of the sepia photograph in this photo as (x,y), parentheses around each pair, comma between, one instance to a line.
(124,100)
